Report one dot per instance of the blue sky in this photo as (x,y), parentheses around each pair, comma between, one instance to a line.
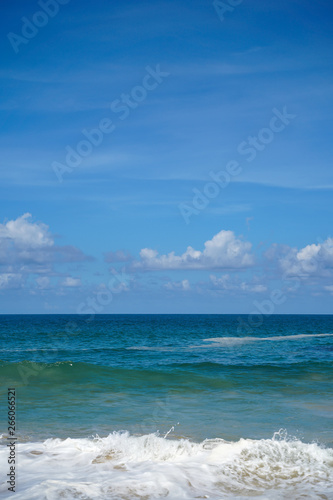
(166,157)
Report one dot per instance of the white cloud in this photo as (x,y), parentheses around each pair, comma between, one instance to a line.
(308,252)
(186,285)
(257,288)
(43,282)
(223,251)
(225,282)
(183,285)
(10,280)
(25,233)
(27,249)
(312,260)
(27,243)
(118,256)
(71,282)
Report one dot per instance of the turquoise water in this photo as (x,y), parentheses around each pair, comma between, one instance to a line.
(188,396)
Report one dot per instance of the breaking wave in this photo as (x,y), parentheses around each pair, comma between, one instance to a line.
(124,466)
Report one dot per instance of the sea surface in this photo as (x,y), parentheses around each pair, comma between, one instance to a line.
(168,406)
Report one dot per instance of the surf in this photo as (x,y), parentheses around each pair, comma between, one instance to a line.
(125,466)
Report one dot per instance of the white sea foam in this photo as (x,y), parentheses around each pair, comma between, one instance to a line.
(150,348)
(121,466)
(229,341)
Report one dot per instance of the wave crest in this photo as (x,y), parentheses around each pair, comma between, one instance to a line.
(122,466)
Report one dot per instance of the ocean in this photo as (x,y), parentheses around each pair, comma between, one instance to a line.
(167,406)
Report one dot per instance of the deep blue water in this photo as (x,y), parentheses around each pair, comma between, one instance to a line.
(114,371)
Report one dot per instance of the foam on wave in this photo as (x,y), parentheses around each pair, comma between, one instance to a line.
(244,340)
(123,466)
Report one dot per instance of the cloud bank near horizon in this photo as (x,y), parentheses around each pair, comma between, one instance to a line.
(30,260)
